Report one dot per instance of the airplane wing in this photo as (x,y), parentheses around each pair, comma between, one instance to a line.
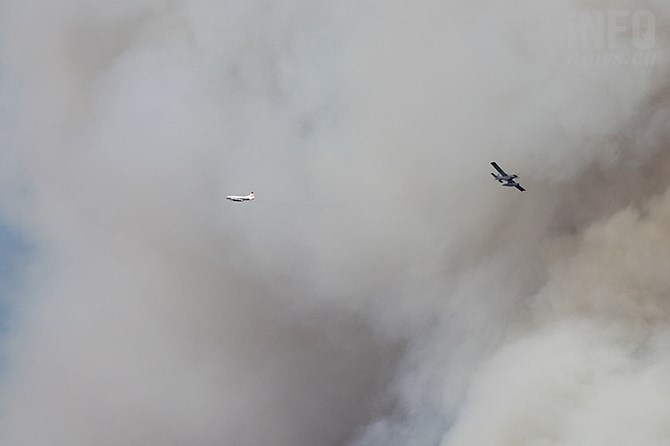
(518,186)
(497,167)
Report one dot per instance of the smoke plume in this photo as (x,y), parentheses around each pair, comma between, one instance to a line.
(381,289)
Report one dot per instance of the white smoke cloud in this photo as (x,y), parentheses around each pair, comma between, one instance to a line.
(381,290)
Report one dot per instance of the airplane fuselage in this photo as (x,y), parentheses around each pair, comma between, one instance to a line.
(504,178)
(241,198)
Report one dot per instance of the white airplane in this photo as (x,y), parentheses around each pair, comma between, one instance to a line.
(506,179)
(241,198)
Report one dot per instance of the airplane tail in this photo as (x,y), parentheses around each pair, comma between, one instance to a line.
(495,177)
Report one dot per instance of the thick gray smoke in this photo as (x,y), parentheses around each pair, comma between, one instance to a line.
(381,290)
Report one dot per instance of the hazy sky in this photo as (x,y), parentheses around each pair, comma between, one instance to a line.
(381,289)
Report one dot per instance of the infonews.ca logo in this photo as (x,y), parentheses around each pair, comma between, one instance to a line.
(613,37)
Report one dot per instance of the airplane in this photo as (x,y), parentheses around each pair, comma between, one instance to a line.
(240,198)
(506,179)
